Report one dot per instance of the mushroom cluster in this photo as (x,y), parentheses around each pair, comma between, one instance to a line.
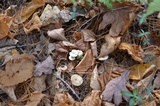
(75,54)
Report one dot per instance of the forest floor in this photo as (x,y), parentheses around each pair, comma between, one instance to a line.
(53,53)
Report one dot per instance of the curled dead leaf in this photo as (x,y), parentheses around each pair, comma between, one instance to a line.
(33,24)
(23,14)
(86,62)
(88,35)
(134,50)
(57,34)
(110,45)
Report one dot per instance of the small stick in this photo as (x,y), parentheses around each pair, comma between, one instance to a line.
(68,87)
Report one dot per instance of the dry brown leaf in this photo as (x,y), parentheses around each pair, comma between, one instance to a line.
(38,83)
(114,87)
(88,35)
(139,70)
(24,13)
(94,48)
(9,91)
(110,45)
(17,70)
(134,50)
(94,83)
(157,94)
(107,104)
(5,24)
(35,98)
(33,24)
(86,63)
(57,34)
(156,83)
(66,100)
(77,36)
(80,45)
(117,18)
(151,103)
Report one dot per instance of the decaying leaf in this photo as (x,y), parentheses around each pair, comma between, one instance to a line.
(156,83)
(9,91)
(134,50)
(33,24)
(94,48)
(49,15)
(110,45)
(88,35)
(94,83)
(77,36)
(139,70)
(35,98)
(86,62)
(114,87)
(5,24)
(23,14)
(44,67)
(38,83)
(117,19)
(17,70)
(66,100)
(57,34)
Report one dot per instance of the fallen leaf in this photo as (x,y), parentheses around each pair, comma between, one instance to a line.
(17,70)
(44,67)
(57,34)
(86,63)
(38,83)
(149,103)
(9,91)
(35,98)
(80,45)
(88,35)
(5,24)
(23,14)
(139,70)
(110,45)
(33,24)
(157,94)
(50,15)
(77,36)
(66,100)
(134,50)
(156,83)
(117,19)
(114,87)
(94,83)
(94,48)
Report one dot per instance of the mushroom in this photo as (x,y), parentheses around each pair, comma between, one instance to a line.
(76,80)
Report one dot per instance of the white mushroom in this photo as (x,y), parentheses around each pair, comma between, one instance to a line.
(80,53)
(103,58)
(76,80)
(71,58)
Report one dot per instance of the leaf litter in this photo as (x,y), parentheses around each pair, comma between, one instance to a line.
(99,47)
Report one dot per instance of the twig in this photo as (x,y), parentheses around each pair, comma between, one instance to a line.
(68,87)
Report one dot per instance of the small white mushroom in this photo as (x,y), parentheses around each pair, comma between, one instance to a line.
(71,58)
(80,53)
(76,80)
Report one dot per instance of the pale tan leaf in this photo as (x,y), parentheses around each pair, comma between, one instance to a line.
(9,91)
(94,83)
(139,70)
(94,48)
(38,83)
(57,34)
(17,70)
(110,45)
(156,83)
(35,98)
(134,50)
